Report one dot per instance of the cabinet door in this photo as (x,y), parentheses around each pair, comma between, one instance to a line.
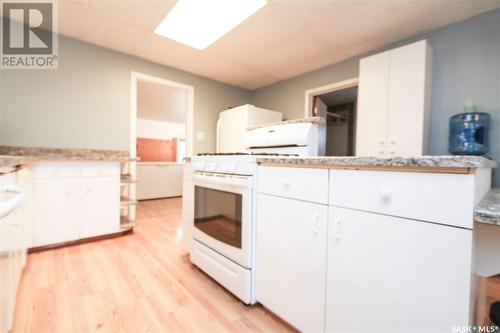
(407,99)
(57,211)
(372,104)
(291,260)
(6,271)
(100,208)
(389,274)
(187,210)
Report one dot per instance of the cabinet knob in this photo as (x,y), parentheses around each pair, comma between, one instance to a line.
(381,152)
(393,142)
(384,193)
(381,142)
(287,182)
(13,222)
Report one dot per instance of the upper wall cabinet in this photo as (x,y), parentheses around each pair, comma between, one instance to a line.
(394,101)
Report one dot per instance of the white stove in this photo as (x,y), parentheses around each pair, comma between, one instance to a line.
(223,218)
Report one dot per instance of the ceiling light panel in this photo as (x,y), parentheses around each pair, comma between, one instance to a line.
(199,23)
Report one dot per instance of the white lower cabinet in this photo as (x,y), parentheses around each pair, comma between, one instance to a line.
(291,260)
(11,266)
(57,210)
(14,232)
(100,206)
(75,201)
(187,206)
(392,257)
(390,274)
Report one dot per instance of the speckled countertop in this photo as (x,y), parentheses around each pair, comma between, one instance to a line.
(446,161)
(66,154)
(315,120)
(12,163)
(488,209)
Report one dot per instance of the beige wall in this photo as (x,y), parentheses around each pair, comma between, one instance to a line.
(86,102)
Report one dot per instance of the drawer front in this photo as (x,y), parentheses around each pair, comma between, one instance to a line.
(57,170)
(8,179)
(232,276)
(100,169)
(433,197)
(297,183)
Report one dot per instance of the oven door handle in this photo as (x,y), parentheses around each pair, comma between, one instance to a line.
(240,182)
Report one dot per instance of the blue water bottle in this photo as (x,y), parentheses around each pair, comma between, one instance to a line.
(469,132)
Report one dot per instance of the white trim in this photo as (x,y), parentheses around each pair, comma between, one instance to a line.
(310,93)
(134,77)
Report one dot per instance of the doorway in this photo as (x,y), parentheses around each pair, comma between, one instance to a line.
(337,103)
(161,135)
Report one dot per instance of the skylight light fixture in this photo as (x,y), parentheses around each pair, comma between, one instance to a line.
(199,23)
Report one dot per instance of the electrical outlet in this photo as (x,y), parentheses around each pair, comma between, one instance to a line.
(200,135)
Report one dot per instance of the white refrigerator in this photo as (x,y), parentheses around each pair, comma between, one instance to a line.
(233,123)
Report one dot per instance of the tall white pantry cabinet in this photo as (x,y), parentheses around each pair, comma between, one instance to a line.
(394,101)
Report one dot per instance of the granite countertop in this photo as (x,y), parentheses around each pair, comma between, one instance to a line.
(446,161)
(66,154)
(488,209)
(10,164)
(314,120)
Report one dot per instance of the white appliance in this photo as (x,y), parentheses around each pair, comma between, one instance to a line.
(159,180)
(293,138)
(233,123)
(224,220)
(221,194)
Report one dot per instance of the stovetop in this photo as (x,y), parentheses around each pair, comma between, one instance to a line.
(230,163)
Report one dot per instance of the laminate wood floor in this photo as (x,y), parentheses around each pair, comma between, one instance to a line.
(142,282)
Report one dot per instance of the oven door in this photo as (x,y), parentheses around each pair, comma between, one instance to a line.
(223,214)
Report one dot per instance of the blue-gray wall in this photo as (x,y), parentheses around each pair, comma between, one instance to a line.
(466,67)
(86,102)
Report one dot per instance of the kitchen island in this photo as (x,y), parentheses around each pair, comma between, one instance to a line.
(392,242)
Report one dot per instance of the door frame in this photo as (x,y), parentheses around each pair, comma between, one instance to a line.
(311,93)
(134,78)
